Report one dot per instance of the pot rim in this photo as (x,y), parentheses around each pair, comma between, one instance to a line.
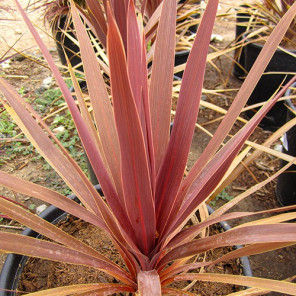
(260,46)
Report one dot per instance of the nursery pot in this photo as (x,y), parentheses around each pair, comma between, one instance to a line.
(65,44)
(269,83)
(286,182)
(182,56)
(239,53)
(193,28)
(14,264)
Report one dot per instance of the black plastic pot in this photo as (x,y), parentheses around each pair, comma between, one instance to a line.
(193,28)
(65,44)
(239,53)
(286,182)
(182,56)
(269,83)
(14,264)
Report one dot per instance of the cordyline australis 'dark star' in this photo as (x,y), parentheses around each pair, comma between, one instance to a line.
(95,14)
(140,165)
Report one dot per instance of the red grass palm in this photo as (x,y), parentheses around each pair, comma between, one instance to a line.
(139,165)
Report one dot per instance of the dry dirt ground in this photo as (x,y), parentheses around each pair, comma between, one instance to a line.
(14,32)
(28,75)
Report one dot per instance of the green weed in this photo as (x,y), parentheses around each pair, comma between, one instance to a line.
(224,196)
(42,103)
(32,206)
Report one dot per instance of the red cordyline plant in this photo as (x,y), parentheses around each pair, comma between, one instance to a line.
(265,14)
(94,14)
(140,166)
(278,11)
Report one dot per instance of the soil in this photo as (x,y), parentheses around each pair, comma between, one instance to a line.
(39,274)
(28,75)
(14,32)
